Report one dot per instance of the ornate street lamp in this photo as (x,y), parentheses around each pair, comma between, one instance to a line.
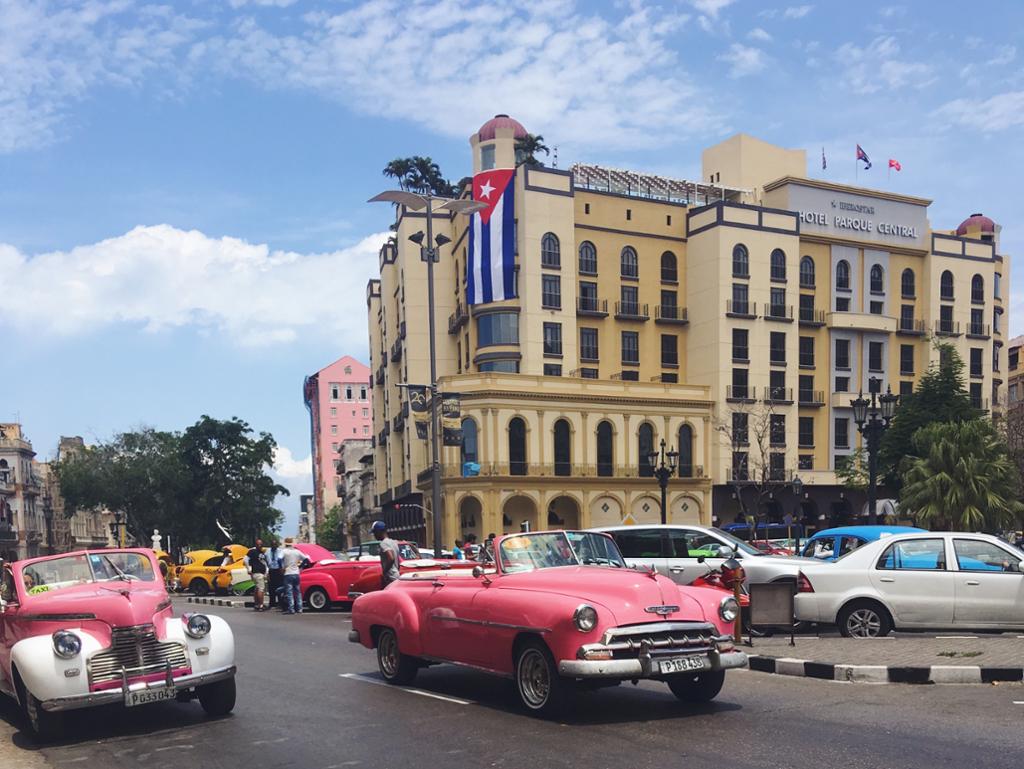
(873,418)
(664,470)
(798,489)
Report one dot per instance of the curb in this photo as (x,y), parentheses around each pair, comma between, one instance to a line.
(215,602)
(882,674)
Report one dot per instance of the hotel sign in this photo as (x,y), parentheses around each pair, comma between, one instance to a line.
(858,216)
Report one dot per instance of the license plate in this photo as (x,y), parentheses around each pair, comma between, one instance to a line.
(684,664)
(146,696)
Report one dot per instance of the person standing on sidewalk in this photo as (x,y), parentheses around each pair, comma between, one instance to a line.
(388,553)
(291,563)
(256,563)
(275,576)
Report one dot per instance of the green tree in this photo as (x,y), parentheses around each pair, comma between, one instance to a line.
(421,175)
(960,476)
(328,531)
(853,472)
(528,148)
(940,397)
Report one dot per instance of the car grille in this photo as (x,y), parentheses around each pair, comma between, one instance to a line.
(137,650)
(660,639)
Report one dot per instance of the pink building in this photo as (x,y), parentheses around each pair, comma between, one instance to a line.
(338,399)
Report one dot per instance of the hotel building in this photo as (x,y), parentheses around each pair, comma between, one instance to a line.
(735,318)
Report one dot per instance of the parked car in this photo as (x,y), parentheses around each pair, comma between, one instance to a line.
(933,580)
(677,550)
(832,544)
(370,551)
(200,570)
(96,627)
(558,611)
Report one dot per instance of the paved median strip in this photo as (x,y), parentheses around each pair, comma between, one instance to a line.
(376,681)
(882,674)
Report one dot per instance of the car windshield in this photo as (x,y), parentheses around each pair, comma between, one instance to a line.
(546,550)
(738,544)
(68,570)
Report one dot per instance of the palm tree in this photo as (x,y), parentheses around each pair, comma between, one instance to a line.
(399,169)
(961,477)
(528,148)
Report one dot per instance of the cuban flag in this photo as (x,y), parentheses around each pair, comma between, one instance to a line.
(490,271)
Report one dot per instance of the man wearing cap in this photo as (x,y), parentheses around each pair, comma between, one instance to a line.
(291,562)
(388,553)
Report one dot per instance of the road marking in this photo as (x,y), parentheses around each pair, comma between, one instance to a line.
(173,747)
(1018,702)
(366,679)
(964,637)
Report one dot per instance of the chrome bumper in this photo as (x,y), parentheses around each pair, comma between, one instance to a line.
(111,696)
(353,636)
(353,595)
(642,666)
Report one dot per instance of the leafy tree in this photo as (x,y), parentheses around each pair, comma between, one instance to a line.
(854,471)
(421,175)
(528,148)
(940,397)
(328,531)
(961,476)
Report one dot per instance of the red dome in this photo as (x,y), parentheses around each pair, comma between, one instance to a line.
(976,221)
(487,130)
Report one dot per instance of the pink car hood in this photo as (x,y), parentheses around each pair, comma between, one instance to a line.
(112,604)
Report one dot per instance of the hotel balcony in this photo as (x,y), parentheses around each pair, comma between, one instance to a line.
(782,313)
(591,307)
(670,314)
(978,331)
(811,317)
(396,351)
(558,470)
(7,532)
(811,398)
(911,327)
(739,394)
(862,321)
(735,309)
(782,396)
(947,328)
(457,319)
(631,311)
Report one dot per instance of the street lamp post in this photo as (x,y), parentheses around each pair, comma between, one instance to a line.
(873,418)
(798,488)
(663,471)
(429,253)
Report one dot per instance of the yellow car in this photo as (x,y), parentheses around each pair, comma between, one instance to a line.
(201,569)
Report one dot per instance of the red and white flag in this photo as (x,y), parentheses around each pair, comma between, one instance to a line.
(895,164)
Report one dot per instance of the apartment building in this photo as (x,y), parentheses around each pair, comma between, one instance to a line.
(735,318)
(22,524)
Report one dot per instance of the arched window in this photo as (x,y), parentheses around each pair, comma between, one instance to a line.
(516,446)
(605,449)
(645,446)
(588,258)
(977,290)
(907,282)
(740,261)
(877,279)
(550,251)
(946,285)
(563,448)
(843,274)
(469,442)
(685,451)
(628,260)
(807,272)
(669,269)
(778,260)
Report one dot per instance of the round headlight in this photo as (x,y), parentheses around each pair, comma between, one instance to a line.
(197,625)
(66,644)
(585,618)
(728,609)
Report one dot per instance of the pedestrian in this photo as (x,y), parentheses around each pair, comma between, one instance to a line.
(291,562)
(275,577)
(228,559)
(256,563)
(489,547)
(457,553)
(388,553)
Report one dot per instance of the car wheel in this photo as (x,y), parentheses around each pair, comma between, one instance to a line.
(218,698)
(198,586)
(397,668)
(44,725)
(864,619)
(318,599)
(541,690)
(697,687)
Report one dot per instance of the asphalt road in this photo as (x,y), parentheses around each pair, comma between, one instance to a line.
(309,699)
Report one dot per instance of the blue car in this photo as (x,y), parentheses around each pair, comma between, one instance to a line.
(832,544)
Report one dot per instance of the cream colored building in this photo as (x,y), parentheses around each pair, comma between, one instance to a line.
(652,308)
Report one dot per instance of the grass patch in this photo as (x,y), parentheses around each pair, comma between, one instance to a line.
(960,655)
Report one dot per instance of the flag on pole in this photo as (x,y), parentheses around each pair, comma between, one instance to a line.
(895,164)
(420,408)
(824,165)
(490,271)
(862,155)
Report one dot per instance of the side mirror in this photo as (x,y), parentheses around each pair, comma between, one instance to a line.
(478,571)
(724,551)
(701,559)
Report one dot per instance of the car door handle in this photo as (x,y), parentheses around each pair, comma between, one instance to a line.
(437,583)
(677,569)
(973,582)
(886,579)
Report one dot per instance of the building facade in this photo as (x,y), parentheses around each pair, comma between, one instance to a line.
(81,530)
(22,523)
(1015,373)
(339,401)
(735,317)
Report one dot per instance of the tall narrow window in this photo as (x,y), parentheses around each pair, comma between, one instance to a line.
(645,447)
(907,283)
(550,251)
(778,264)
(517,446)
(877,279)
(843,275)
(552,338)
(977,290)
(740,261)
(551,292)
(588,258)
(807,272)
(605,449)
(563,448)
(469,441)
(946,285)
(629,267)
(588,344)
(685,462)
(669,268)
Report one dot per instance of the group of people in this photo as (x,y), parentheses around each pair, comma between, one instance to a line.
(468,549)
(276,568)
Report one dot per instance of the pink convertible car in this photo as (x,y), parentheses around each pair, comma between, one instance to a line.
(559,610)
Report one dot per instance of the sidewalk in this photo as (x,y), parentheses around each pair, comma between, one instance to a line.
(904,659)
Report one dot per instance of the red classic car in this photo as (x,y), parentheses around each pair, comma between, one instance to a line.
(95,627)
(559,610)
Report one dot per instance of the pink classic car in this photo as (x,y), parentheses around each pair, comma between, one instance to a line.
(559,610)
(94,628)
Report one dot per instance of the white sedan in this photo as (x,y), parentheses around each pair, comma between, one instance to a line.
(934,580)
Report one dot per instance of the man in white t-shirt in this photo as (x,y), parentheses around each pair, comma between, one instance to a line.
(291,562)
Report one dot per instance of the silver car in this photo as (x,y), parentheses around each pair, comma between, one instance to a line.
(684,553)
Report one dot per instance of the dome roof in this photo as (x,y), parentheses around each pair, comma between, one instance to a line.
(488,129)
(976,222)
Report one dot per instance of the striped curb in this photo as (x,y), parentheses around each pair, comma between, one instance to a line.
(214,602)
(882,674)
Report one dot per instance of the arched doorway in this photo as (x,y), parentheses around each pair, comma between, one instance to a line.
(563,513)
(517,510)
(605,511)
(471,519)
(645,510)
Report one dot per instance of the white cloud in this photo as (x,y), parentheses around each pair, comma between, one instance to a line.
(759,34)
(891,11)
(1004,54)
(160,277)
(797,11)
(265,3)
(875,67)
(997,113)
(744,60)
(711,7)
(287,466)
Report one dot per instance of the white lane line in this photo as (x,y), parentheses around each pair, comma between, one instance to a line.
(964,637)
(367,680)
(1018,702)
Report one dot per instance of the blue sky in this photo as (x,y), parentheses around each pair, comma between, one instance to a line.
(182,219)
